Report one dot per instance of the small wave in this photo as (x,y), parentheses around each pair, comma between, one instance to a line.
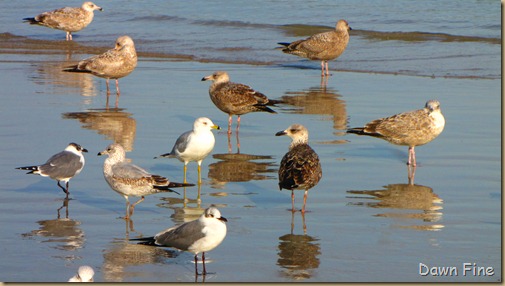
(422,37)
(233,24)
(300,30)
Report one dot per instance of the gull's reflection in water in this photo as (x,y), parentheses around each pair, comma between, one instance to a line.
(321,101)
(60,233)
(418,204)
(298,253)
(240,168)
(185,209)
(49,74)
(121,254)
(115,125)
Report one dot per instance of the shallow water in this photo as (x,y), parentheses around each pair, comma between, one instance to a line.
(364,222)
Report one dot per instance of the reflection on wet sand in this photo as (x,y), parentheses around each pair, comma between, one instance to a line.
(404,197)
(298,253)
(115,124)
(240,168)
(319,100)
(50,73)
(189,210)
(62,233)
(121,254)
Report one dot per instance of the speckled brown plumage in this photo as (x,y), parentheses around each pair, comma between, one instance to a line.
(323,46)
(412,128)
(68,19)
(300,167)
(113,64)
(236,98)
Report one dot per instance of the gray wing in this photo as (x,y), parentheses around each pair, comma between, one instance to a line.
(182,236)
(128,171)
(181,143)
(62,165)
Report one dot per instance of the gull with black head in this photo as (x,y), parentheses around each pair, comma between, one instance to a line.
(197,236)
(62,166)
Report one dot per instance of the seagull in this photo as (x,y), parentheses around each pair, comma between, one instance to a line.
(68,19)
(412,128)
(62,166)
(236,98)
(194,145)
(300,167)
(200,235)
(128,179)
(113,64)
(323,46)
(84,274)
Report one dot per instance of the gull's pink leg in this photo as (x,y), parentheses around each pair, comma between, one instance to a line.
(229,124)
(293,201)
(117,92)
(322,68)
(412,157)
(238,122)
(304,200)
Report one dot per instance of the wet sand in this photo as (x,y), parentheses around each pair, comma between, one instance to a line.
(364,222)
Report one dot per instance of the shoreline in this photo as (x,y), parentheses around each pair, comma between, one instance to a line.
(14,44)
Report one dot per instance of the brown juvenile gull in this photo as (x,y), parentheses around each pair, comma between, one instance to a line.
(194,145)
(113,64)
(128,179)
(62,166)
(413,128)
(323,46)
(200,235)
(300,167)
(236,98)
(84,274)
(68,19)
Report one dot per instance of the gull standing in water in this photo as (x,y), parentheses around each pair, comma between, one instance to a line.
(412,128)
(68,19)
(236,98)
(62,166)
(200,235)
(323,46)
(194,145)
(300,167)
(128,179)
(113,64)
(84,274)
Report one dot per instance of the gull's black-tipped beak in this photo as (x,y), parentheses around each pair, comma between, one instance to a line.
(280,133)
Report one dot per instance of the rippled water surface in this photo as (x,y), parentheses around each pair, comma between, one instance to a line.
(365,222)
